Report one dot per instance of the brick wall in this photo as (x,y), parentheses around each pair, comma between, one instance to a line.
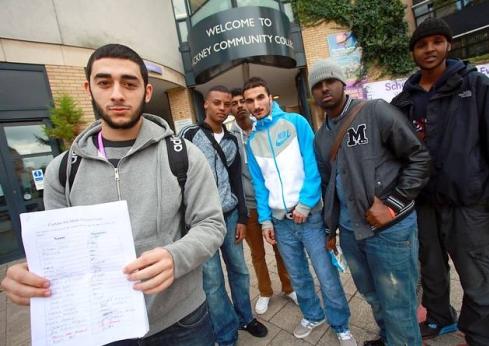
(181,104)
(69,80)
(315,40)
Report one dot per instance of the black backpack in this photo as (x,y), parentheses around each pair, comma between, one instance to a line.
(177,157)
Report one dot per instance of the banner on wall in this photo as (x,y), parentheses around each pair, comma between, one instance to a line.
(343,51)
(388,89)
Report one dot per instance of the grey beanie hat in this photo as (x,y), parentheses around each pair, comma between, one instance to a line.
(323,69)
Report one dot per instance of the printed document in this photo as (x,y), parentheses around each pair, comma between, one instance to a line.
(82,251)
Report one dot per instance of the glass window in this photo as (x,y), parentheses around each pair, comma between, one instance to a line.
(182,27)
(196,4)
(209,8)
(27,140)
(179,9)
(264,3)
(288,11)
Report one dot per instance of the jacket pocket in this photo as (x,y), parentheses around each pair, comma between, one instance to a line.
(481,260)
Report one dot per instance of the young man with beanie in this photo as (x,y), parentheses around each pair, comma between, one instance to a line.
(242,128)
(221,150)
(447,101)
(124,157)
(372,167)
(288,196)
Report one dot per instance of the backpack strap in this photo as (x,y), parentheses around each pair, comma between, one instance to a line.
(63,168)
(217,147)
(178,160)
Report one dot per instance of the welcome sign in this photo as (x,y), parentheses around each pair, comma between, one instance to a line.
(225,39)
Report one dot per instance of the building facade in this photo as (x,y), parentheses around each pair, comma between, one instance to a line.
(188,46)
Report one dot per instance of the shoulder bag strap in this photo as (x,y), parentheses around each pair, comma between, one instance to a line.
(344,127)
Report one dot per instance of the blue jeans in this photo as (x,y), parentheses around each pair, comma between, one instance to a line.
(292,239)
(195,329)
(384,268)
(225,319)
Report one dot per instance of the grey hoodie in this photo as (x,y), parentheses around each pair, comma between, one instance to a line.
(245,173)
(153,197)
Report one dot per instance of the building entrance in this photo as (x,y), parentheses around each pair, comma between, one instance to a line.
(25,152)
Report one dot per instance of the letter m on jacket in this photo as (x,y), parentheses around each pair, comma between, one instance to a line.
(357,136)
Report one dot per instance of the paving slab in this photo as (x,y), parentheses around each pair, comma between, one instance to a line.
(3,319)
(286,339)
(18,331)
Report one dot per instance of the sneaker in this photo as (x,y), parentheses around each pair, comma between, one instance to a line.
(346,339)
(255,328)
(261,305)
(292,295)
(305,327)
(431,330)
(376,342)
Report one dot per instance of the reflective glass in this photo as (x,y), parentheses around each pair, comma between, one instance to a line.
(8,240)
(25,140)
(179,9)
(209,8)
(264,3)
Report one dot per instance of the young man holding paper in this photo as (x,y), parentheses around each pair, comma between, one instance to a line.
(124,157)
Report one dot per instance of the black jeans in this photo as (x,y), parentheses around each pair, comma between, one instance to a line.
(195,329)
(462,233)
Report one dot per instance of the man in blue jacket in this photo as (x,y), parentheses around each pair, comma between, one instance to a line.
(447,101)
(220,147)
(288,195)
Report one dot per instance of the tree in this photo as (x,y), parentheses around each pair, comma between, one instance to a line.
(66,119)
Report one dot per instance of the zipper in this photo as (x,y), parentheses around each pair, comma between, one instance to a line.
(276,167)
(117,182)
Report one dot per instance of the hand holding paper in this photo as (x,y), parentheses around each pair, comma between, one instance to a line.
(82,252)
(154,268)
(20,285)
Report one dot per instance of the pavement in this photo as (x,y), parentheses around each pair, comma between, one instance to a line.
(281,318)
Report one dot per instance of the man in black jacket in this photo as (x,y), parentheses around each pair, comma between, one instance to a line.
(447,101)
(369,185)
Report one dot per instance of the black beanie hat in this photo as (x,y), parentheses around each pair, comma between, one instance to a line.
(429,27)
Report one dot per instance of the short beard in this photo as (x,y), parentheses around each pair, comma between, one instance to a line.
(100,113)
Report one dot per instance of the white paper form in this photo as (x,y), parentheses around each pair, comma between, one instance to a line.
(82,251)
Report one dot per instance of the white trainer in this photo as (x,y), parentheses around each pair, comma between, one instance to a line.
(261,305)
(292,295)
(346,338)
(305,327)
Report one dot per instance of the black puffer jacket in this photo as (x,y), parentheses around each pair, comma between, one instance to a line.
(456,135)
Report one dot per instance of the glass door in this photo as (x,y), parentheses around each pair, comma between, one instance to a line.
(25,151)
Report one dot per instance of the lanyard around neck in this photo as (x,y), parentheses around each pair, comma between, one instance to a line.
(101,148)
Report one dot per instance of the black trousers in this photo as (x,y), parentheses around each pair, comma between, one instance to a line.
(462,233)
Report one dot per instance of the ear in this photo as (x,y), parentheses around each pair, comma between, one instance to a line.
(449,47)
(148,93)
(86,86)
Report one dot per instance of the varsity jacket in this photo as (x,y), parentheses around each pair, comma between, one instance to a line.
(379,156)
(283,166)
(227,175)
(456,134)
(144,179)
